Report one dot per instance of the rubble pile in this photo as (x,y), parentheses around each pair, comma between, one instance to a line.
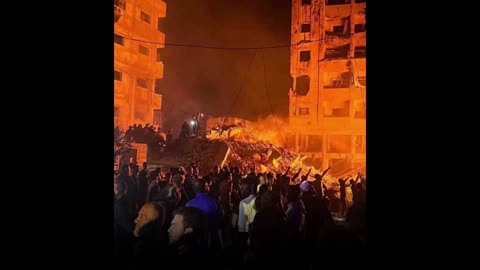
(208,153)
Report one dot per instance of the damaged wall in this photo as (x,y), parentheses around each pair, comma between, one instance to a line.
(335,102)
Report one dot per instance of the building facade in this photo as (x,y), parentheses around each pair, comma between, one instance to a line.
(138,65)
(327,104)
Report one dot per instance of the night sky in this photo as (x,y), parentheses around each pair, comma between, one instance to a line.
(205,80)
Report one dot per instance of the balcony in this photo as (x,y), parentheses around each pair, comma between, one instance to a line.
(118,8)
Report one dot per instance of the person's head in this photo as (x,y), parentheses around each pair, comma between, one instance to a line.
(252,170)
(306,186)
(119,188)
(247,189)
(145,165)
(267,201)
(177,180)
(125,169)
(261,190)
(188,220)
(199,186)
(359,186)
(341,181)
(150,212)
(293,193)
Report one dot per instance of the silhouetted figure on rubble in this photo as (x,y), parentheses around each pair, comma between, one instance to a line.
(343,196)
(185,130)
(169,137)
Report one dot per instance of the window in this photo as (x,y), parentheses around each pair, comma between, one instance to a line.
(360,28)
(337,2)
(118,39)
(362,80)
(341,112)
(159,58)
(303,111)
(143,50)
(117,75)
(360,52)
(142,83)
(306,2)
(340,52)
(303,85)
(304,56)
(343,80)
(305,28)
(338,29)
(145,17)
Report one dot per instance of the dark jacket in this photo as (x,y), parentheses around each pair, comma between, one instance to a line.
(151,243)
(122,229)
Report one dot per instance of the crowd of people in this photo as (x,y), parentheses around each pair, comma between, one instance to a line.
(229,220)
(153,136)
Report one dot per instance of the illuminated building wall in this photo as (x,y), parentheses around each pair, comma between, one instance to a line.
(327,105)
(137,65)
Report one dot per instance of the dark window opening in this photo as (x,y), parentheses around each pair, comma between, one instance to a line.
(118,39)
(304,56)
(142,83)
(143,50)
(338,29)
(337,2)
(306,2)
(360,52)
(343,81)
(145,17)
(303,111)
(360,28)
(344,112)
(117,75)
(362,80)
(305,28)
(303,85)
(337,52)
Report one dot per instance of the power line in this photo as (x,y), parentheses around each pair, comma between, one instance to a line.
(241,88)
(268,97)
(218,47)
